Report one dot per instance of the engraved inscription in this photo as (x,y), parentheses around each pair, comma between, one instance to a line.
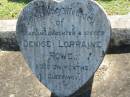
(63,42)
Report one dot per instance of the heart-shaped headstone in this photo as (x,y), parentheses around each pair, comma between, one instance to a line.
(63,41)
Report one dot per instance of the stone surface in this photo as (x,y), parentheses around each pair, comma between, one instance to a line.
(64,42)
(112,79)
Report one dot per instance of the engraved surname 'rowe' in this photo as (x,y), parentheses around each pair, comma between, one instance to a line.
(61,56)
(80,44)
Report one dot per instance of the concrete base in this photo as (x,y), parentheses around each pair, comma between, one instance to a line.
(111,80)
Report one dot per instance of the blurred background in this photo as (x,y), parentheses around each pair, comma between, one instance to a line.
(9,9)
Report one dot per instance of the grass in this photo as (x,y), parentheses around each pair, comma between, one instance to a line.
(9,9)
(116,7)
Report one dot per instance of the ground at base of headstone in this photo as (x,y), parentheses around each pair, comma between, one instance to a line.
(112,79)
(84,91)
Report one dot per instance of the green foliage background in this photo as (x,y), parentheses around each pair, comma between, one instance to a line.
(9,9)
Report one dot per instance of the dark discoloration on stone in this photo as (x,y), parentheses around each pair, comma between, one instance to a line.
(56,38)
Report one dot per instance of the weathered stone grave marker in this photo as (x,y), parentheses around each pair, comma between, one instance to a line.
(63,41)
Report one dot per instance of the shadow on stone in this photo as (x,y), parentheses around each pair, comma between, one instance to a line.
(8,41)
(119,49)
(84,91)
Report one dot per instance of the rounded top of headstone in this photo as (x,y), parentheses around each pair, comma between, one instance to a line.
(63,41)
